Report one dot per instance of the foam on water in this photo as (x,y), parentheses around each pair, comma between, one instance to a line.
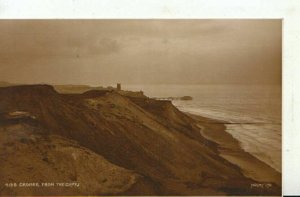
(259,137)
(259,140)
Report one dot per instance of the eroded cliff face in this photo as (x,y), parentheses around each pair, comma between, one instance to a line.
(112,144)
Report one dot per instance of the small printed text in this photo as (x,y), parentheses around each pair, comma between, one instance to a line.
(50,184)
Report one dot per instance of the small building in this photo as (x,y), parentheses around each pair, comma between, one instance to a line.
(118,87)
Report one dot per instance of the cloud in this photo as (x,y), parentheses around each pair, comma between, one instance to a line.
(141,51)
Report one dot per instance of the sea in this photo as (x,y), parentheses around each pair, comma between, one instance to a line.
(253,112)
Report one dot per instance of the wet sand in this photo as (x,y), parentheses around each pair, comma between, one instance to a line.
(229,148)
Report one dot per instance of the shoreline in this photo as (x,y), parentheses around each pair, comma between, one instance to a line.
(145,137)
(230,149)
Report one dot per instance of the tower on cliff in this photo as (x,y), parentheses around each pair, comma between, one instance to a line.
(118,87)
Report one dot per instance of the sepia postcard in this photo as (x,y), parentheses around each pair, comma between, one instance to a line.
(132,107)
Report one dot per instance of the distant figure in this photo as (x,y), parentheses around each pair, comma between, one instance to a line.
(118,86)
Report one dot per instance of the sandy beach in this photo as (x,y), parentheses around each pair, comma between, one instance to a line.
(229,148)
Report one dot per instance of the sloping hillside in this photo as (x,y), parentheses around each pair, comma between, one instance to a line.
(141,137)
(28,155)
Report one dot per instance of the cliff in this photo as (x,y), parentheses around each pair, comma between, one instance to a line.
(112,144)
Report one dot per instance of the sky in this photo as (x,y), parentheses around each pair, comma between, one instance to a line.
(97,52)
